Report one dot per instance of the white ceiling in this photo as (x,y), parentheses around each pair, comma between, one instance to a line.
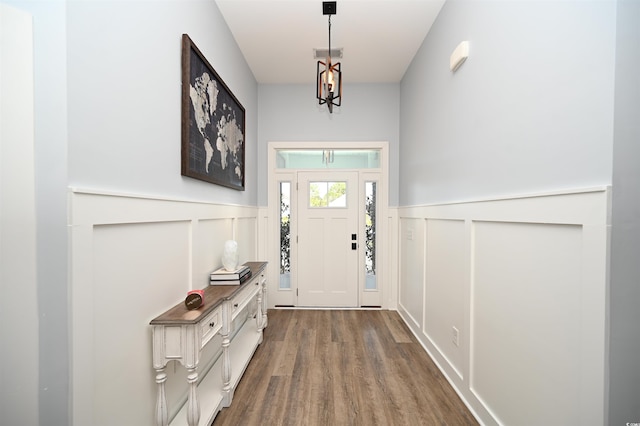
(379,37)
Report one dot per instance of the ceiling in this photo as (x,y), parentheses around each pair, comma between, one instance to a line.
(379,37)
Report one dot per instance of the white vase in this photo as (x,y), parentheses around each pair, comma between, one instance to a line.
(230,255)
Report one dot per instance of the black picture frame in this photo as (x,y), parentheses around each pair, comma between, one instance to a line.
(213,123)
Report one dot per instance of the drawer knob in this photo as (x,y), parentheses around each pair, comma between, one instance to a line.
(235,305)
(212,324)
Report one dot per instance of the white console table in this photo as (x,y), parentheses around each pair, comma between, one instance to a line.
(181,335)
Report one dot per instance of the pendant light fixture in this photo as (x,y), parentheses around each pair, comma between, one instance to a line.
(329,76)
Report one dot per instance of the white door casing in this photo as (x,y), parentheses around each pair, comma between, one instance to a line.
(284,295)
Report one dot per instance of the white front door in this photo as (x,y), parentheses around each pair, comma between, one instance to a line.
(327,268)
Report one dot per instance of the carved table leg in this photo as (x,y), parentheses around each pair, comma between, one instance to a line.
(265,320)
(193,406)
(161,403)
(259,318)
(226,369)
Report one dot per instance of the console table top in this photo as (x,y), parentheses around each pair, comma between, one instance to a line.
(214,295)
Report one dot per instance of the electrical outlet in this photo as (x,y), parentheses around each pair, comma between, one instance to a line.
(454,335)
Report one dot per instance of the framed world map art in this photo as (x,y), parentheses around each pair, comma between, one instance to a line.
(213,132)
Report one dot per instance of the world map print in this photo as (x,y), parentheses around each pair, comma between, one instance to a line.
(216,129)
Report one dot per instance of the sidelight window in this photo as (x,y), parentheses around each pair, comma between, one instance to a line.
(370,236)
(285,235)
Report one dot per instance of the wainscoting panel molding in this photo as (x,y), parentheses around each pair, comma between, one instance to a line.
(412,269)
(514,302)
(445,300)
(132,258)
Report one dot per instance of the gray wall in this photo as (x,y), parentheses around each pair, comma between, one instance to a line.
(124,95)
(548,99)
(529,111)
(107,113)
(50,158)
(369,112)
(624,398)
(51,189)
(18,281)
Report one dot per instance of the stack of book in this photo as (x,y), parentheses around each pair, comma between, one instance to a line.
(223,277)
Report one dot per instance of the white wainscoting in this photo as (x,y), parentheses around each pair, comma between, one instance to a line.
(524,281)
(132,258)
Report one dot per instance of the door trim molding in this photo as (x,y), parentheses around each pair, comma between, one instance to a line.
(277,297)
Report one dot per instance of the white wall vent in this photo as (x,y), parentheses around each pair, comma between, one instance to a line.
(322,53)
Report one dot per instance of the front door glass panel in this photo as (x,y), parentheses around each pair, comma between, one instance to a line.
(327,194)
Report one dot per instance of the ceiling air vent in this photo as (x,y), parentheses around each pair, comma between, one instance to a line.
(322,53)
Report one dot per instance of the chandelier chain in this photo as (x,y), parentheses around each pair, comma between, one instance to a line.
(329,55)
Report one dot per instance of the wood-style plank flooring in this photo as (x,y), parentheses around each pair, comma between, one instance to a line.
(333,367)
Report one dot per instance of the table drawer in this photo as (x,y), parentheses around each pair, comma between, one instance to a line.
(241,299)
(210,326)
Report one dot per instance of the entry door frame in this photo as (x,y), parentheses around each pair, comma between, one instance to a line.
(287,297)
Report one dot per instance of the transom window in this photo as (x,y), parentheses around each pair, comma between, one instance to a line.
(328,158)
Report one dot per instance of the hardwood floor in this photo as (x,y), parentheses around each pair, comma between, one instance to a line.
(318,367)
